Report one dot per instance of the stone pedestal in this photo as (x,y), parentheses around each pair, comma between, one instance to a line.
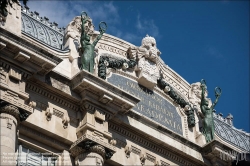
(9,119)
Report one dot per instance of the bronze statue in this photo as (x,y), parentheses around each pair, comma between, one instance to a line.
(87,57)
(208,122)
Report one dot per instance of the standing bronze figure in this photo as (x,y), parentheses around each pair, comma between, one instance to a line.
(208,122)
(87,57)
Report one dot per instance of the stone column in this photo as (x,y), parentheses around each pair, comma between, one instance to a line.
(9,119)
(94,156)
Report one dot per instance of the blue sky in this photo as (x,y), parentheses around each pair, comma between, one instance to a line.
(197,39)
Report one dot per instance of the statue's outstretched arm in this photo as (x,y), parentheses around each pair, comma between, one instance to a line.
(215,102)
(98,38)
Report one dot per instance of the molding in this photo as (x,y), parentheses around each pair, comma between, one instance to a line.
(98,86)
(27,131)
(51,96)
(28,47)
(14,101)
(24,74)
(2,45)
(149,145)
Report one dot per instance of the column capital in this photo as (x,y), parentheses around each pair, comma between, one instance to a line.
(18,113)
(88,143)
(11,110)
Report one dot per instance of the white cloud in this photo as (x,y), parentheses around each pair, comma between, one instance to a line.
(63,12)
(147,26)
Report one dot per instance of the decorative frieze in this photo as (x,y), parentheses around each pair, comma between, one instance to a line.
(148,144)
(105,62)
(150,158)
(135,150)
(179,100)
(58,113)
(112,49)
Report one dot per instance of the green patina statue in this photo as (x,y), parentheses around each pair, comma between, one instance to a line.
(208,122)
(88,55)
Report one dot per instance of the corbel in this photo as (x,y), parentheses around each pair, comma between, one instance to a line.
(157,163)
(143,158)
(127,150)
(32,104)
(65,121)
(113,142)
(48,114)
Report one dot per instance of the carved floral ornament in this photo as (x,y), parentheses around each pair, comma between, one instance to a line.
(144,61)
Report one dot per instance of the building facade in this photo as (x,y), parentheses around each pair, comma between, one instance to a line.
(132,110)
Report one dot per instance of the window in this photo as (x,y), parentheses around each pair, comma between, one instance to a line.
(30,157)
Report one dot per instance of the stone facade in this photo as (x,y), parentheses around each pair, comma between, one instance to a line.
(53,113)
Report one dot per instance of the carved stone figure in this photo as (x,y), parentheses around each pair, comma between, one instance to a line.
(87,57)
(147,54)
(208,122)
(194,97)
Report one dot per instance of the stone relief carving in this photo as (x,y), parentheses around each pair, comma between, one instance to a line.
(48,114)
(147,55)
(127,150)
(194,97)
(74,28)
(65,121)
(143,158)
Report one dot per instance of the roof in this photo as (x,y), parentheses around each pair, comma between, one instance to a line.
(41,30)
(225,130)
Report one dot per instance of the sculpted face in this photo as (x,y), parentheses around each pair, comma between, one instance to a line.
(150,44)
